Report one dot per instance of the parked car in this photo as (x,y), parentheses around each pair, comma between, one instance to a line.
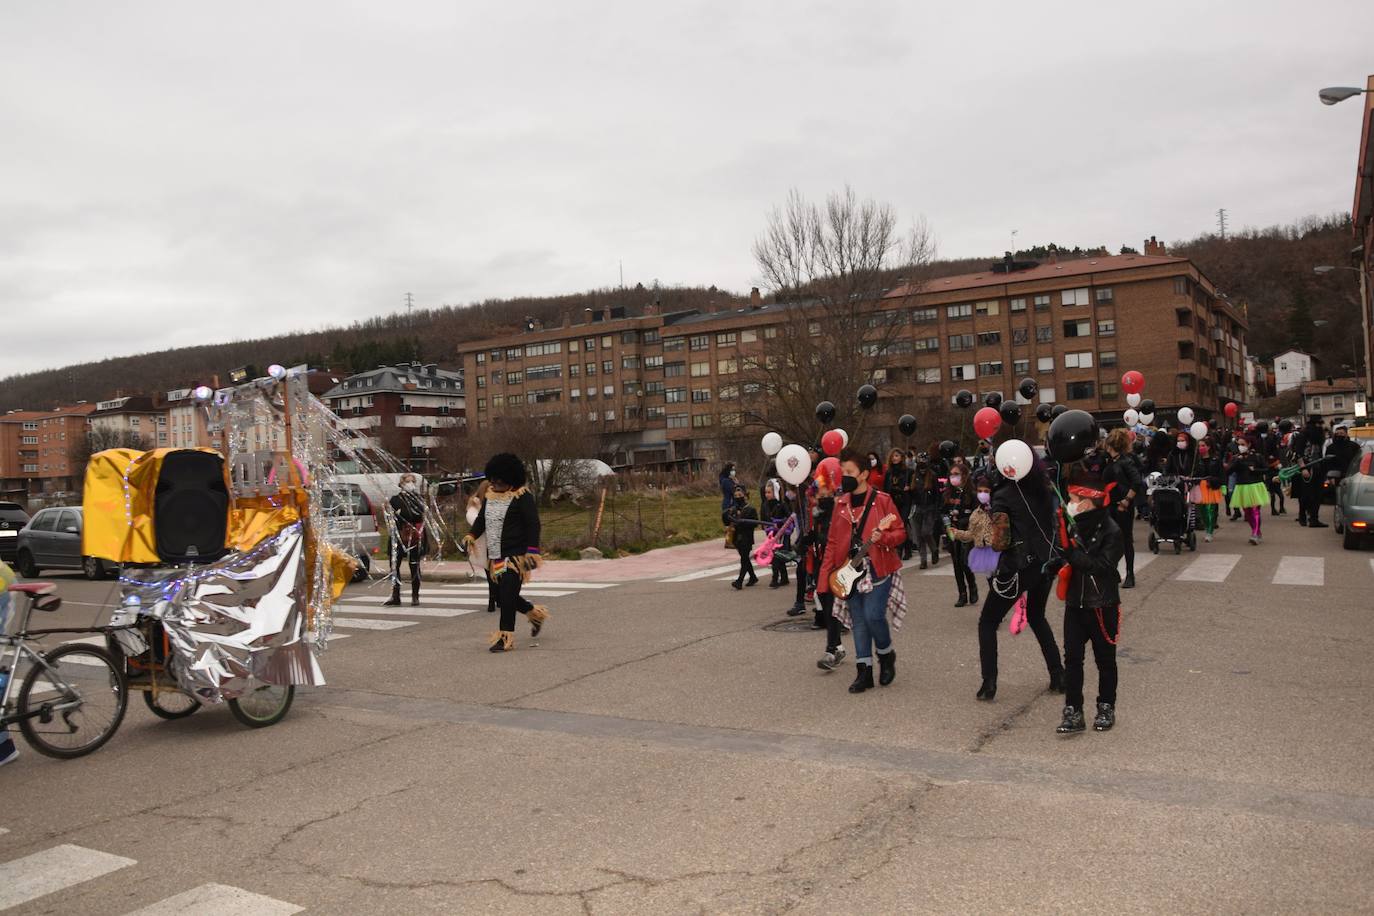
(351,524)
(12,519)
(52,540)
(1354,512)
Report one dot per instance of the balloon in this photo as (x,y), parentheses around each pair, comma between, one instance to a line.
(771,443)
(844,437)
(1185,416)
(1028,388)
(1132,382)
(993,399)
(986,422)
(1198,430)
(832,442)
(825,412)
(963,398)
(948,449)
(868,396)
(794,464)
(1072,434)
(907,424)
(1014,459)
(1231,408)
(1131,417)
(1146,406)
(1058,410)
(1148,419)
(1043,413)
(1011,413)
(1133,400)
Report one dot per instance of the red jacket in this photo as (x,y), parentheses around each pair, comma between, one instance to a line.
(883,554)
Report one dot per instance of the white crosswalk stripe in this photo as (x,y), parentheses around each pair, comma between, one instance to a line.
(1300,571)
(1209,567)
(1142,560)
(704,573)
(350,607)
(365,623)
(221,900)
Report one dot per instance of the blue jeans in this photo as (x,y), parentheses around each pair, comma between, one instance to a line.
(868,616)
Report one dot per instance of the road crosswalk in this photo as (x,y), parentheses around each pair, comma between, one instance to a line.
(65,866)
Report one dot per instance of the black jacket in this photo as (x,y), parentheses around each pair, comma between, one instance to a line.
(745,519)
(957,506)
(519,531)
(1094,552)
(1125,474)
(1248,468)
(1339,454)
(1032,526)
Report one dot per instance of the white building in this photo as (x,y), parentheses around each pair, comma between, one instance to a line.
(1291,369)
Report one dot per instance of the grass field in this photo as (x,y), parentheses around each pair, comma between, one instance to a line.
(631,523)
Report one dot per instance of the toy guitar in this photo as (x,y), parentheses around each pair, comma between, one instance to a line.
(843,579)
(764,552)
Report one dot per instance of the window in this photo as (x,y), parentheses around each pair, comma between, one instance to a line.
(514,378)
(133,421)
(573,346)
(574,370)
(928,376)
(813,328)
(1074,296)
(481,381)
(575,394)
(992,368)
(700,369)
(1106,359)
(1083,360)
(770,332)
(653,362)
(673,370)
(927,343)
(481,359)
(701,419)
(960,373)
(1180,286)
(631,387)
(545,395)
(701,395)
(498,400)
(1338,402)
(1103,294)
(607,341)
(589,344)
(677,421)
(610,415)
(30,424)
(1044,333)
(650,336)
(629,362)
(1018,305)
(1041,302)
(654,413)
(1283,367)
(1019,336)
(513,352)
(29,440)
(1020,367)
(655,387)
(675,396)
(700,341)
(515,400)
(924,316)
(673,343)
(733,418)
(591,369)
(1047,396)
(989,338)
(959,311)
(960,342)
(1079,391)
(728,392)
(629,337)
(987,307)
(1110,389)
(496,356)
(727,339)
(748,336)
(1044,364)
(591,394)
(608,390)
(607,366)
(727,366)
(553,370)
(1082,328)
(544,349)
(1106,327)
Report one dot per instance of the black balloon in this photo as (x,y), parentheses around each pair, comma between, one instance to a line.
(868,396)
(948,450)
(993,399)
(1072,434)
(1028,388)
(1057,410)
(963,397)
(1044,413)
(907,424)
(1146,406)
(1011,413)
(825,412)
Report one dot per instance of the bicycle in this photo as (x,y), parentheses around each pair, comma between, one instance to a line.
(72,699)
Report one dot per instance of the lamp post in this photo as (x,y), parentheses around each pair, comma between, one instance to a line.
(1332,95)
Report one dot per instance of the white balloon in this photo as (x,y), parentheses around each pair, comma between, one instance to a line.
(794,464)
(1014,459)
(843,435)
(1133,400)
(1148,419)
(1198,430)
(1131,417)
(1185,416)
(771,443)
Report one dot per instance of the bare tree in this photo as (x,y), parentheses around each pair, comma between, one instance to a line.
(98,440)
(556,449)
(830,266)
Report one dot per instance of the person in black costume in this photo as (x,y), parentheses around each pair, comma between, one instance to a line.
(957,503)
(407,528)
(744,519)
(1092,604)
(1024,528)
(509,518)
(1313,473)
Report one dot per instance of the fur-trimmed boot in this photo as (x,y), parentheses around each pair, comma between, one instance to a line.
(538,615)
(502,641)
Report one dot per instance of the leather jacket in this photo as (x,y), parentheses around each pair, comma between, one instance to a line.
(1093,553)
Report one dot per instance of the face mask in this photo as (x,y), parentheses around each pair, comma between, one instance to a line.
(732,473)
(1182,446)
(984,497)
(849,484)
(409,486)
(790,495)
(873,462)
(956,480)
(1076,508)
(1242,449)
(826,502)
(739,500)
(1202,453)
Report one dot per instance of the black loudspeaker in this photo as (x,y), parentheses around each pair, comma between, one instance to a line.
(191,508)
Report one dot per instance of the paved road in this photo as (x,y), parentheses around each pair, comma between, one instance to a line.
(667,748)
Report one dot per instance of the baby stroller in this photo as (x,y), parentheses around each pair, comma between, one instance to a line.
(1171,515)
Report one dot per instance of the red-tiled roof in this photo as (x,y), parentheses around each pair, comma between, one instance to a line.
(1338,384)
(73,410)
(1079,267)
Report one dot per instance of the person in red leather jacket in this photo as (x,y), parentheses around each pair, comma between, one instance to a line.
(881,529)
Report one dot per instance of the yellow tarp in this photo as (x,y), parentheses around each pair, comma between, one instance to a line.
(118,504)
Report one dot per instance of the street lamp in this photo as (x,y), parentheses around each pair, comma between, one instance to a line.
(1333,94)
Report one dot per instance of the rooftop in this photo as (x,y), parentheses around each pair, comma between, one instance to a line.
(400,378)
(1332,386)
(79,410)
(1050,271)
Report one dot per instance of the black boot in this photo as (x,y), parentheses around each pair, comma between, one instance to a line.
(753,580)
(773,582)
(973,594)
(395,599)
(887,667)
(863,678)
(1057,681)
(1106,717)
(415,595)
(963,600)
(1129,581)
(989,689)
(1072,723)
(923,561)
(796,610)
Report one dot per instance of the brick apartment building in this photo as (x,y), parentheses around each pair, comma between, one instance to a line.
(409,410)
(40,451)
(664,387)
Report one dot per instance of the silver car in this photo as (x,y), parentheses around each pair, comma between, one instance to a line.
(1354,512)
(52,540)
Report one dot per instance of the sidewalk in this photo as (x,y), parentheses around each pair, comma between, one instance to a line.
(655,564)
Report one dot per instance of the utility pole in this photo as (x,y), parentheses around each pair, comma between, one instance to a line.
(622,274)
(410,308)
(1013,241)
(1221,222)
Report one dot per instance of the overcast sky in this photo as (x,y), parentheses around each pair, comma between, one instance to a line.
(181,172)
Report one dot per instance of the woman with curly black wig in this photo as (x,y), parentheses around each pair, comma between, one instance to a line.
(510,520)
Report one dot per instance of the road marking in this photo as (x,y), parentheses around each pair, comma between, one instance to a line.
(1212,567)
(1142,560)
(52,870)
(332,637)
(540,583)
(403,611)
(363,623)
(703,573)
(1300,571)
(449,594)
(221,900)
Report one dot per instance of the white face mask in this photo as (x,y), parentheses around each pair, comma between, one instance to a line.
(1242,448)
(1183,446)
(409,486)
(1075,508)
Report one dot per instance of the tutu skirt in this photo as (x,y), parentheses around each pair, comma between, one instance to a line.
(983,560)
(1206,494)
(1249,495)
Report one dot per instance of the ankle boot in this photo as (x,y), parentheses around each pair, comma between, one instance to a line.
(863,678)
(773,582)
(415,596)
(1072,723)
(395,599)
(502,641)
(973,595)
(738,584)
(538,615)
(963,600)
(1057,681)
(1129,581)
(989,689)
(887,667)
(1106,717)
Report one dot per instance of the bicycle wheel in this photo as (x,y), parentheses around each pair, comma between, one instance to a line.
(80,697)
(170,704)
(264,705)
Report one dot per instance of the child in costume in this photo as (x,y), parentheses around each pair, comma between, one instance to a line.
(509,519)
(1250,494)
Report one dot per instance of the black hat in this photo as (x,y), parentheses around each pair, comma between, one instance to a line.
(508,469)
(1087,481)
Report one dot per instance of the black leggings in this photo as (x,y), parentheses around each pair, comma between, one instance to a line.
(1036,587)
(509,598)
(1080,627)
(965,579)
(1125,520)
(412,556)
(826,612)
(746,566)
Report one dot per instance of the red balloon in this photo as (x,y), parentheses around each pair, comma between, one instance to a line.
(832,442)
(1231,408)
(1132,382)
(987,422)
